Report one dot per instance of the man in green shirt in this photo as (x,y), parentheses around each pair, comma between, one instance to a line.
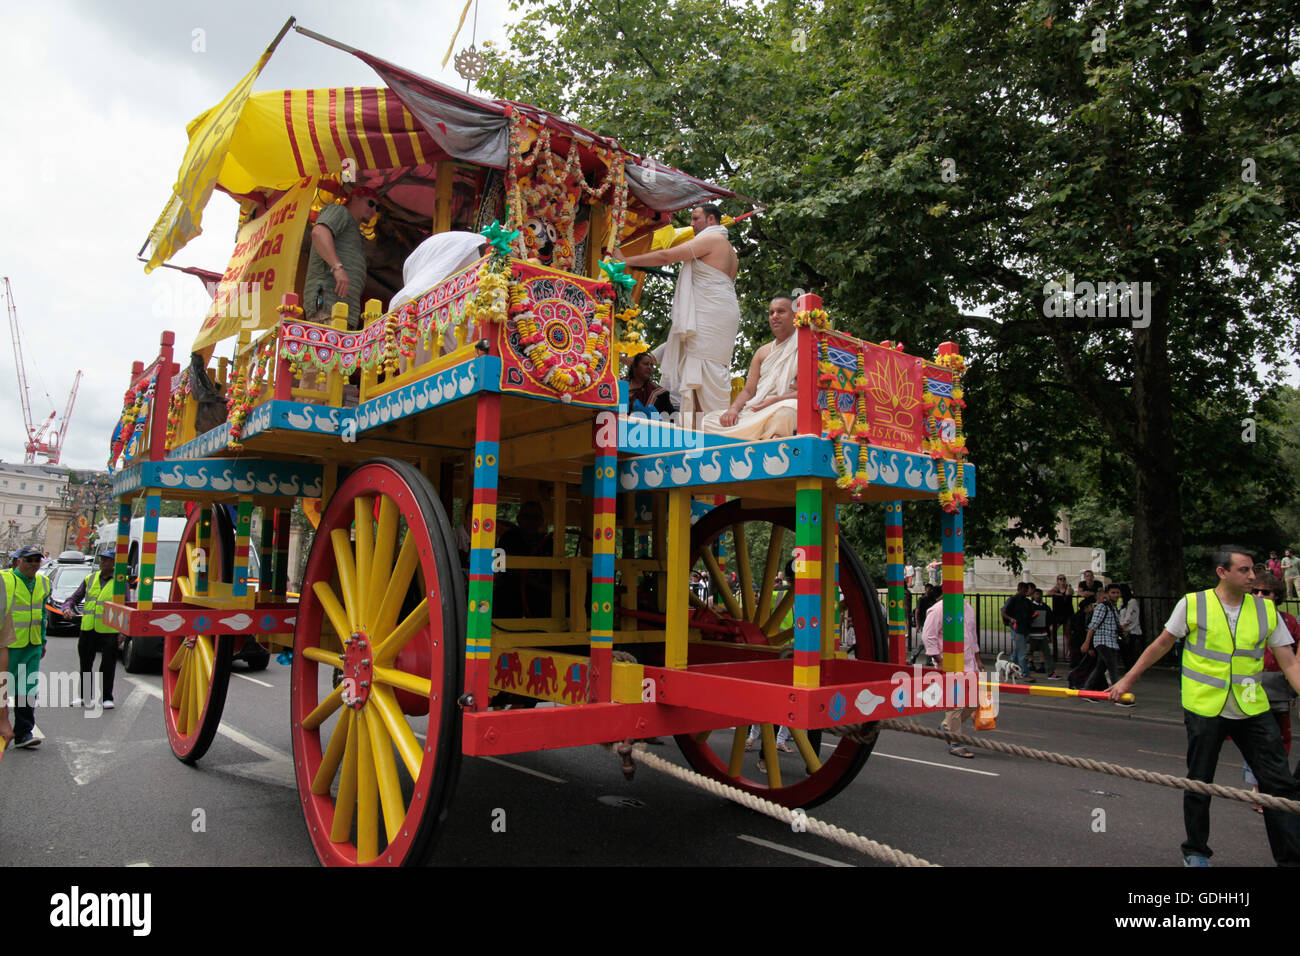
(336,267)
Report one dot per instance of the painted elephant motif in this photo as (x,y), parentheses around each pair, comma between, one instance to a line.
(575,682)
(542,678)
(509,670)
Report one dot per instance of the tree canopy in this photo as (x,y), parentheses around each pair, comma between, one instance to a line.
(931,169)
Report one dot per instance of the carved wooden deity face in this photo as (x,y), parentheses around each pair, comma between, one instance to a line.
(541,238)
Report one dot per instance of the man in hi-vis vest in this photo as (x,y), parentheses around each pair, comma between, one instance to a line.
(1227,630)
(96,636)
(23,630)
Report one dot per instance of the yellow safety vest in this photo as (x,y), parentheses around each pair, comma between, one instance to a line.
(1214,658)
(27,605)
(92,612)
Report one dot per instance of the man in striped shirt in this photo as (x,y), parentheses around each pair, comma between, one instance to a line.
(1103,636)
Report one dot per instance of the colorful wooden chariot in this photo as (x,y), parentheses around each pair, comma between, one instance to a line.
(416,641)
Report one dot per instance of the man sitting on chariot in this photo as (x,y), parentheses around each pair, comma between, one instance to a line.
(767,406)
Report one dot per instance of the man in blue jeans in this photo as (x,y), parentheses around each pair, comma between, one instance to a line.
(1018,612)
(1226,630)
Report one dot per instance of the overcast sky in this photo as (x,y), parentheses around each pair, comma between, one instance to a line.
(97,97)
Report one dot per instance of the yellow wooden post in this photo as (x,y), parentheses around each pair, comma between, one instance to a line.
(661,547)
(830,576)
(558,580)
(334,381)
(446,174)
(678,533)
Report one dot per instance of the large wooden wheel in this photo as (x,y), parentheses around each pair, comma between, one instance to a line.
(196,667)
(809,776)
(383,611)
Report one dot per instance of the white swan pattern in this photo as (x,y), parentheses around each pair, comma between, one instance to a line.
(777,464)
(655,478)
(742,470)
(629,478)
(711,472)
(913,474)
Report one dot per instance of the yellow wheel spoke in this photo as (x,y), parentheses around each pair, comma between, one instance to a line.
(392,645)
(326,707)
(390,788)
(333,609)
(408,747)
(346,800)
(419,686)
(408,559)
(720,583)
(329,761)
(381,562)
(742,566)
(178,659)
(806,750)
(737,762)
(367,795)
(773,623)
(323,657)
(363,510)
(347,571)
(770,757)
(181,703)
(775,544)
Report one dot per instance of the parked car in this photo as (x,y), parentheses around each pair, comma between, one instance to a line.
(65,578)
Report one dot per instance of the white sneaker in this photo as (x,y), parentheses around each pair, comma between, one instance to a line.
(109,705)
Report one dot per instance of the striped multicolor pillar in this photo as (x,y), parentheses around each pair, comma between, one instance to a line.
(604,489)
(149,549)
(482,542)
(203,549)
(243,525)
(894,584)
(954,586)
(807,582)
(121,570)
(281,582)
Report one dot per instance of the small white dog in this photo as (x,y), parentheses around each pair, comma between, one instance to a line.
(1008,671)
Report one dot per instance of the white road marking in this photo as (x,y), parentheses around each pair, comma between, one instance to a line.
(230,733)
(142,863)
(251,679)
(928,763)
(515,766)
(802,854)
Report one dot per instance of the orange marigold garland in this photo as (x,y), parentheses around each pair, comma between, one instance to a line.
(247,389)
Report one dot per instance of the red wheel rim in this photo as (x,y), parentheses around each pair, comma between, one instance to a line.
(190,741)
(425,793)
(840,768)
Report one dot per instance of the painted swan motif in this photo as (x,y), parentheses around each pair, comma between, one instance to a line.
(449,386)
(777,464)
(655,478)
(224,483)
(312,490)
(742,470)
(246,483)
(889,472)
(290,487)
(913,474)
(467,383)
(711,472)
(268,487)
(931,477)
(199,480)
(330,422)
(680,476)
(299,419)
(174,478)
(629,478)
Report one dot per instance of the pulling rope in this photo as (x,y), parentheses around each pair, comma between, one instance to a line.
(1085,763)
(828,831)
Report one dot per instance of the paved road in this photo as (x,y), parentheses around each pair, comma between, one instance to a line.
(107,792)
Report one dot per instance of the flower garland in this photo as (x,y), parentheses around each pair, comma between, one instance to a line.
(292,313)
(935,444)
(247,389)
(813,319)
(135,412)
(176,409)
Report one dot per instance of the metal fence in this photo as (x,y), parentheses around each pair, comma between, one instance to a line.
(995,635)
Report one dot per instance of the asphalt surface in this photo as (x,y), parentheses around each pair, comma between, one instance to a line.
(107,791)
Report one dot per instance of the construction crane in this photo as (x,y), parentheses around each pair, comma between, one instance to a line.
(37,444)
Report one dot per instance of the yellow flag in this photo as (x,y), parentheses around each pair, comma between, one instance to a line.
(210,135)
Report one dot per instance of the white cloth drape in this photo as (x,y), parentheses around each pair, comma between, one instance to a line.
(775,377)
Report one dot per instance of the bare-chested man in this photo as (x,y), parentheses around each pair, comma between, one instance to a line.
(768,406)
(695,362)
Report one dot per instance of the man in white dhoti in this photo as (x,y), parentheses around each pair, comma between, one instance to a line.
(768,406)
(695,362)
